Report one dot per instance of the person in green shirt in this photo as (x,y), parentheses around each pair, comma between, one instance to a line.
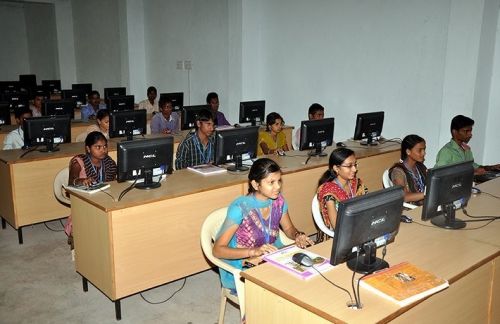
(458,150)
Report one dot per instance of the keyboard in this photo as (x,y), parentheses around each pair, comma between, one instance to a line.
(91,189)
(489,175)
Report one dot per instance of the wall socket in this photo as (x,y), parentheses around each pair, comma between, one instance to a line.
(187,65)
(180,65)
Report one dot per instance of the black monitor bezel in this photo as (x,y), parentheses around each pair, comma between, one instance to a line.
(5,114)
(81,97)
(52,88)
(190,112)
(175,97)
(113,103)
(245,136)
(140,114)
(122,91)
(245,106)
(65,131)
(68,108)
(362,124)
(86,87)
(311,128)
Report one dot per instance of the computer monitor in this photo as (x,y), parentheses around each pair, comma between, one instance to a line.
(9,86)
(117,91)
(118,103)
(127,123)
(236,144)
(17,99)
(363,224)
(145,158)
(59,107)
(4,113)
(27,81)
(52,85)
(48,130)
(447,188)
(316,134)
(177,99)
(86,87)
(40,91)
(189,114)
(77,95)
(369,127)
(253,111)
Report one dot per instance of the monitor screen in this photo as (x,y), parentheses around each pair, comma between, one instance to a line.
(447,188)
(118,103)
(17,99)
(40,91)
(177,99)
(59,107)
(369,127)
(4,113)
(9,86)
(27,81)
(145,158)
(127,123)
(315,135)
(253,111)
(47,131)
(117,91)
(78,96)
(236,145)
(364,223)
(86,87)
(189,114)
(52,85)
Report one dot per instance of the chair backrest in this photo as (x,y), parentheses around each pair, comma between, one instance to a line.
(318,218)
(60,182)
(387,182)
(81,137)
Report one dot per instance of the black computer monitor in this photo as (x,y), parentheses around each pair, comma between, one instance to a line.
(145,158)
(117,91)
(27,81)
(189,114)
(369,127)
(17,99)
(77,95)
(59,107)
(118,103)
(316,134)
(85,87)
(52,85)
(253,111)
(177,99)
(127,123)
(236,144)
(9,86)
(48,130)
(447,188)
(364,223)
(40,91)
(4,113)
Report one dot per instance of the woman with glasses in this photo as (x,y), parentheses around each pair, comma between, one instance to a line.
(337,184)
(273,140)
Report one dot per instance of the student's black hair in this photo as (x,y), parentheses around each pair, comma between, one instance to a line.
(93,137)
(163,102)
(260,170)
(337,157)
(408,143)
(314,108)
(101,113)
(460,121)
(203,116)
(18,112)
(212,95)
(150,89)
(94,92)
(271,119)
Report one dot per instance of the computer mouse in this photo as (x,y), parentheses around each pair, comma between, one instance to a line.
(476,190)
(406,219)
(281,152)
(340,144)
(302,259)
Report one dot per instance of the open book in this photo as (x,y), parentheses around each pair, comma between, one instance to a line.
(403,283)
(283,259)
(207,169)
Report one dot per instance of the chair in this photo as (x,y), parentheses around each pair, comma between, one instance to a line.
(386,181)
(81,137)
(209,230)
(318,218)
(60,183)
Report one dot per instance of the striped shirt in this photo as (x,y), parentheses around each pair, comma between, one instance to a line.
(191,152)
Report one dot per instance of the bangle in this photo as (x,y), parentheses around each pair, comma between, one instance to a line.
(74,181)
(299,233)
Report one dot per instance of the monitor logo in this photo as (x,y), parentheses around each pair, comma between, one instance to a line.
(378,221)
(48,128)
(321,131)
(130,121)
(456,185)
(149,156)
(59,108)
(121,104)
(240,143)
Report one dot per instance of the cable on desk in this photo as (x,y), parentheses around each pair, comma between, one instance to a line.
(28,151)
(479,217)
(489,194)
(334,284)
(51,229)
(124,192)
(163,301)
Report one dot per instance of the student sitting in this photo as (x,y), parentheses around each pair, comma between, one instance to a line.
(252,224)
(102,123)
(150,104)
(89,111)
(165,122)
(337,184)
(36,107)
(15,139)
(198,147)
(213,103)
(273,141)
(410,172)
(315,112)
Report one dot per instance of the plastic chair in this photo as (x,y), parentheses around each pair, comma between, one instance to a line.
(81,137)
(60,183)
(318,218)
(386,181)
(209,230)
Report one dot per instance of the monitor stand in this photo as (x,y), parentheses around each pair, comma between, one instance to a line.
(238,165)
(49,145)
(447,219)
(148,181)
(370,141)
(317,150)
(367,262)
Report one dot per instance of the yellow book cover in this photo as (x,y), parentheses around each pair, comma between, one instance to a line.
(403,283)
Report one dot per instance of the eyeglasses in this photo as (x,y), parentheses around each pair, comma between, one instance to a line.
(349,166)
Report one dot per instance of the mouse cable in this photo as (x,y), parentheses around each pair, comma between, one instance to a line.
(356,296)
(489,194)
(124,192)
(51,229)
(166,300)
(334,284)
(479,218)
(28,151)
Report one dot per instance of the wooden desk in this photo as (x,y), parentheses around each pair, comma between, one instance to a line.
(469,260)
(152,237)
